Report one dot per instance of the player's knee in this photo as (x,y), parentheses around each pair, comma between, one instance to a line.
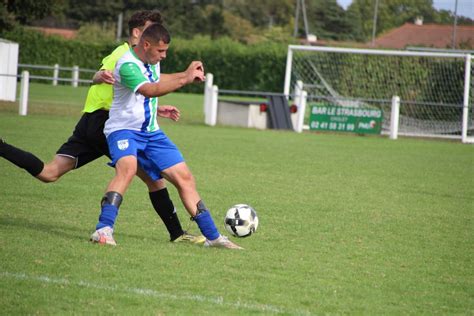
(47,176)
(186,178)
(53,170)
(126,167)
(48,180)
(44,179)
(127,173)
(155,185)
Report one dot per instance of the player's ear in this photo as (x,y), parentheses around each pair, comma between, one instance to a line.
(136,32)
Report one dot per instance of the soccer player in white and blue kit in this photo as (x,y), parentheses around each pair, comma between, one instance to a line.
(135,138)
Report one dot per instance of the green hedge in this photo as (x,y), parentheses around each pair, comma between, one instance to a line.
(37,49)
(234,65)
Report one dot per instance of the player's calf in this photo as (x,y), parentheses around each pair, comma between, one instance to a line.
(21,158)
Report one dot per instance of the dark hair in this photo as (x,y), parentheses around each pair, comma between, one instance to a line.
(155,33)
(139,18)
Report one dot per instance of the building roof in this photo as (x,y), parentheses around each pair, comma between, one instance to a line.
(427,35)
(66,33)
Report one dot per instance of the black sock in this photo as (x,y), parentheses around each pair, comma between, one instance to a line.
(165,209)
(21,158)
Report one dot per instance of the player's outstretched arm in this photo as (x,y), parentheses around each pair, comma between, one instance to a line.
(171,82)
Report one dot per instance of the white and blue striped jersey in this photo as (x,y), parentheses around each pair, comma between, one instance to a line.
(131,110)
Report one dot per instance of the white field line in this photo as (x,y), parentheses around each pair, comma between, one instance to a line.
(152,293)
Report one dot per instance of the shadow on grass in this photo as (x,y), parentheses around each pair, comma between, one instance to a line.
(459,196)
(65,231)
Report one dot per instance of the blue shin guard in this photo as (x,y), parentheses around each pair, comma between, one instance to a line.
(110,205)
(107,216)
(206,225)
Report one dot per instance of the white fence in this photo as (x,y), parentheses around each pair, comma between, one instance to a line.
(56,69)
(25,78)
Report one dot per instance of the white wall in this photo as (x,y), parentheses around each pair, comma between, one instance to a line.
(8,66)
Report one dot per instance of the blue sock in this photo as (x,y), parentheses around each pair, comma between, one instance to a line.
(107,216)
(206,225)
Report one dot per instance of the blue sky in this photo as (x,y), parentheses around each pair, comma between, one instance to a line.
(465,7)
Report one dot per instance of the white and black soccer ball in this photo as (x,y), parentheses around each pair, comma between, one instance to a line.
(241,220)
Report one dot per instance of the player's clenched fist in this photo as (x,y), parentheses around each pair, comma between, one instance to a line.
(195,72)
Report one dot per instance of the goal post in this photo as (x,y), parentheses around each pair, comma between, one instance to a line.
(468,109)
(435,89)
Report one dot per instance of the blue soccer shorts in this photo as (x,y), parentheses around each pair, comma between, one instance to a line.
(155,152)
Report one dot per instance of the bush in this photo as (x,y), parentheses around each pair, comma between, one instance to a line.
(235,66)
(95,33)
(38,49)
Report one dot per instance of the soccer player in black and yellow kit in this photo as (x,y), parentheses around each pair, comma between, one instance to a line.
(88,142)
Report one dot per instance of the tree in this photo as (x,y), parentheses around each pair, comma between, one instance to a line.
(263,13)
(447,17)
(94,11)
(25,11)
(215,25)
(327,19)
(394,13)
(184,18)
(391,14)
(7,18)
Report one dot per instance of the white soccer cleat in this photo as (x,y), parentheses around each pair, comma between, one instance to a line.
(221,242)
(104,236)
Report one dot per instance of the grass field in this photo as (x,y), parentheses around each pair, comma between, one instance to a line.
(348,224)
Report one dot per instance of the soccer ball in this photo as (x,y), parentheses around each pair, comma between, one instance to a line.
(241,220)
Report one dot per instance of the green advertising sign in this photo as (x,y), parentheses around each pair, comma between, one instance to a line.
(345,119)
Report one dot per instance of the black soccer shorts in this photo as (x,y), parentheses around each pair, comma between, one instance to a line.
(87,142)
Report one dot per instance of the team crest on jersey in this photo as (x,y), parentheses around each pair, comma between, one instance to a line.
(122,144)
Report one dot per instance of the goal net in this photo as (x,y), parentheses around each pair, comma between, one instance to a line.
(435,89)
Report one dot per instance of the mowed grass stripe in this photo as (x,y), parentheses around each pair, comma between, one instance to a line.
(153,293)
